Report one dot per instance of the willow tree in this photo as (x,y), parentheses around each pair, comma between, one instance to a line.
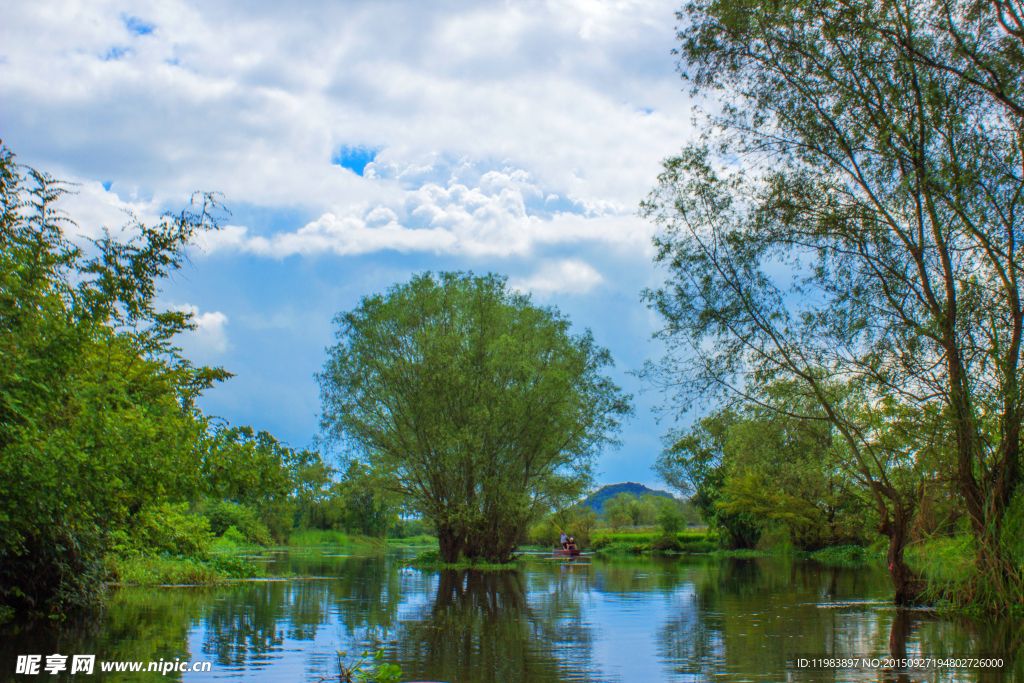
(479,407)
(876,155)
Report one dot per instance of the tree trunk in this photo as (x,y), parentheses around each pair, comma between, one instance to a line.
(449,544)
(908,587)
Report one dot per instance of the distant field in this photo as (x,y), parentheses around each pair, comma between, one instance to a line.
(414,542)
(643,541)
(312,538)
(648,536)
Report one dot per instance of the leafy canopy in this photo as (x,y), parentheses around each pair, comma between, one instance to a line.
(479,407)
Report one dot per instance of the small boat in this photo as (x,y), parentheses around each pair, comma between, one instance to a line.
(558,552)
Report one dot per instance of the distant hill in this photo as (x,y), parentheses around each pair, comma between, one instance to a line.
(595,501)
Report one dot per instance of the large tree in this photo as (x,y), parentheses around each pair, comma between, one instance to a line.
(476,405)
(97,416)
(873,151)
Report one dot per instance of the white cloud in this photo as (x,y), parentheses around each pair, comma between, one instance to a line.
(508,135)
(252,100)
(209,334)
(565,276)
(504,214)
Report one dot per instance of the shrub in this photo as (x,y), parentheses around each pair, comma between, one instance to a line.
(57,569)
(164,528)
(841,556)
(150,570)
(234,535)
(224,515)
(666,543)
(670,518)
(277,517)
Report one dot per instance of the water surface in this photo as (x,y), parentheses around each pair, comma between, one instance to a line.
(626,619)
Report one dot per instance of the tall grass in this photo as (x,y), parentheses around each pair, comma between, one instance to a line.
(157,570)
(315,538)
(649,536)
(954,577)
(421,541)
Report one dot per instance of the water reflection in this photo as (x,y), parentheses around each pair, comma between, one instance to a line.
(490,627)
(629,619)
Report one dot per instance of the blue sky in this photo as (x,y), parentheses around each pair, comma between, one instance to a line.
(357,143)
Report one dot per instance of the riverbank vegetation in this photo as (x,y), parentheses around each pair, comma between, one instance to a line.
(843,261)
(108,471)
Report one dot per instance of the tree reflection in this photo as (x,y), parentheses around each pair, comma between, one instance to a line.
(486,627)
(726,620)
(362,591)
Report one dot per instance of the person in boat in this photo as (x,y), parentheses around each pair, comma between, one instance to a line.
(571,545)
(564,541)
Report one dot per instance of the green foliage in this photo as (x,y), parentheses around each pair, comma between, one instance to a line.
(687,542)
(475,405)
(249,530)
(157,570)
(616,511)
(948,566)
(427,558)
(233,567)
(357,671)
(667,543)
(625,508)
(55,571)
(97,411)
(757,470)
(742,553)
(369,508)
(163,528)
(313,538)
(577,521)
(231,538)
(849,228)
(670,518)
(281,485)
(421,541)
(411,528)
(310,538)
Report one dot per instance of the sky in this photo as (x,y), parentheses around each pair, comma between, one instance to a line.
(355,144)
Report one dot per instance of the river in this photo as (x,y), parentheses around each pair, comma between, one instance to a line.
(624,619)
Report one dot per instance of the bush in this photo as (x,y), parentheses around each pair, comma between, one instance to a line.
(234,536)
(164,528)
(412,528)
(152,570)
(277,518)
(670,518)
(776,539)
(57,569)
(687,542)
(224,515)
(666,543)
